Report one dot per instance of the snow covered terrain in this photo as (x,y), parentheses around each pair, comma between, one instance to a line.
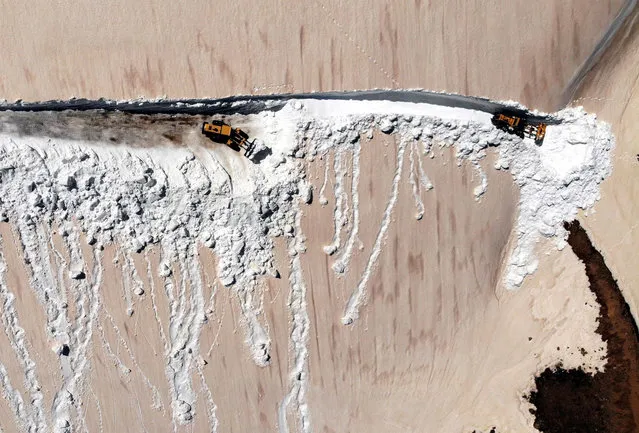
(180,198)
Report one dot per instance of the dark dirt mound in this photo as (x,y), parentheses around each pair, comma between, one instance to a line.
(571,401)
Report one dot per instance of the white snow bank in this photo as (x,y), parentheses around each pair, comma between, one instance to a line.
(566,149)
(328,109)
(553,187)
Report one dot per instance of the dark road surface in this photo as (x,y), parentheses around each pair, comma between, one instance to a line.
(250,104)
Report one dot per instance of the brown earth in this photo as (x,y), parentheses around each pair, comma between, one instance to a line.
(608,400)
(520,50)
(573,401)
(436,347)
(421,340)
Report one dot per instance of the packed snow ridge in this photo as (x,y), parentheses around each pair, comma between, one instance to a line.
(179,199)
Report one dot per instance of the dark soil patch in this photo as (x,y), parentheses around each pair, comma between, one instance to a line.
(571,401)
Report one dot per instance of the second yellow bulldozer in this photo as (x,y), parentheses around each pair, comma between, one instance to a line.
(520,127)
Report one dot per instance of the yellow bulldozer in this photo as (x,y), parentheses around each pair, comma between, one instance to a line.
(234,138)
(520,127)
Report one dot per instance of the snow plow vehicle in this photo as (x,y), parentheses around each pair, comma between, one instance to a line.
(520,126)
(234,138)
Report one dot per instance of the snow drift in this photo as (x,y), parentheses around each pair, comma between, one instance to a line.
(180,198)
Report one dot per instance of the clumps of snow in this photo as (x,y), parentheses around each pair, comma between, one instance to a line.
(298,374)
(387,125)
(137,198)
(418,178)
(556,180)
(340,264)
(183,198)
(340,135)
(341,205)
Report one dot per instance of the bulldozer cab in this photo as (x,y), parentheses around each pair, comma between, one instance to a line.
(541,133)
(216,127)
(511,121)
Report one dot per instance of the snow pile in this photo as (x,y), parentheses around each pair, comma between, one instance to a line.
(180,199)
(556,180)
(136,198)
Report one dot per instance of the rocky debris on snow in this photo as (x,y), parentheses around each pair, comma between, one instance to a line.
(76,272)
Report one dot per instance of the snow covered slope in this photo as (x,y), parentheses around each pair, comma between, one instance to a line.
(148,192)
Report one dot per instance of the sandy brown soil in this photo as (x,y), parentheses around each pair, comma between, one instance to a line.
(611,399)
(519,50)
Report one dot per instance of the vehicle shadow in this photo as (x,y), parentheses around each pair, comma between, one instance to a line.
(261,155)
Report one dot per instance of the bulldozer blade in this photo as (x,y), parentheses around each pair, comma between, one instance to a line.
(250,147)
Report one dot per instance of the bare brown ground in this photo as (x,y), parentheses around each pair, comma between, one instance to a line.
(247,396)
(9,359)
(521,50)
(30,309)
(610,399)
(127,352)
